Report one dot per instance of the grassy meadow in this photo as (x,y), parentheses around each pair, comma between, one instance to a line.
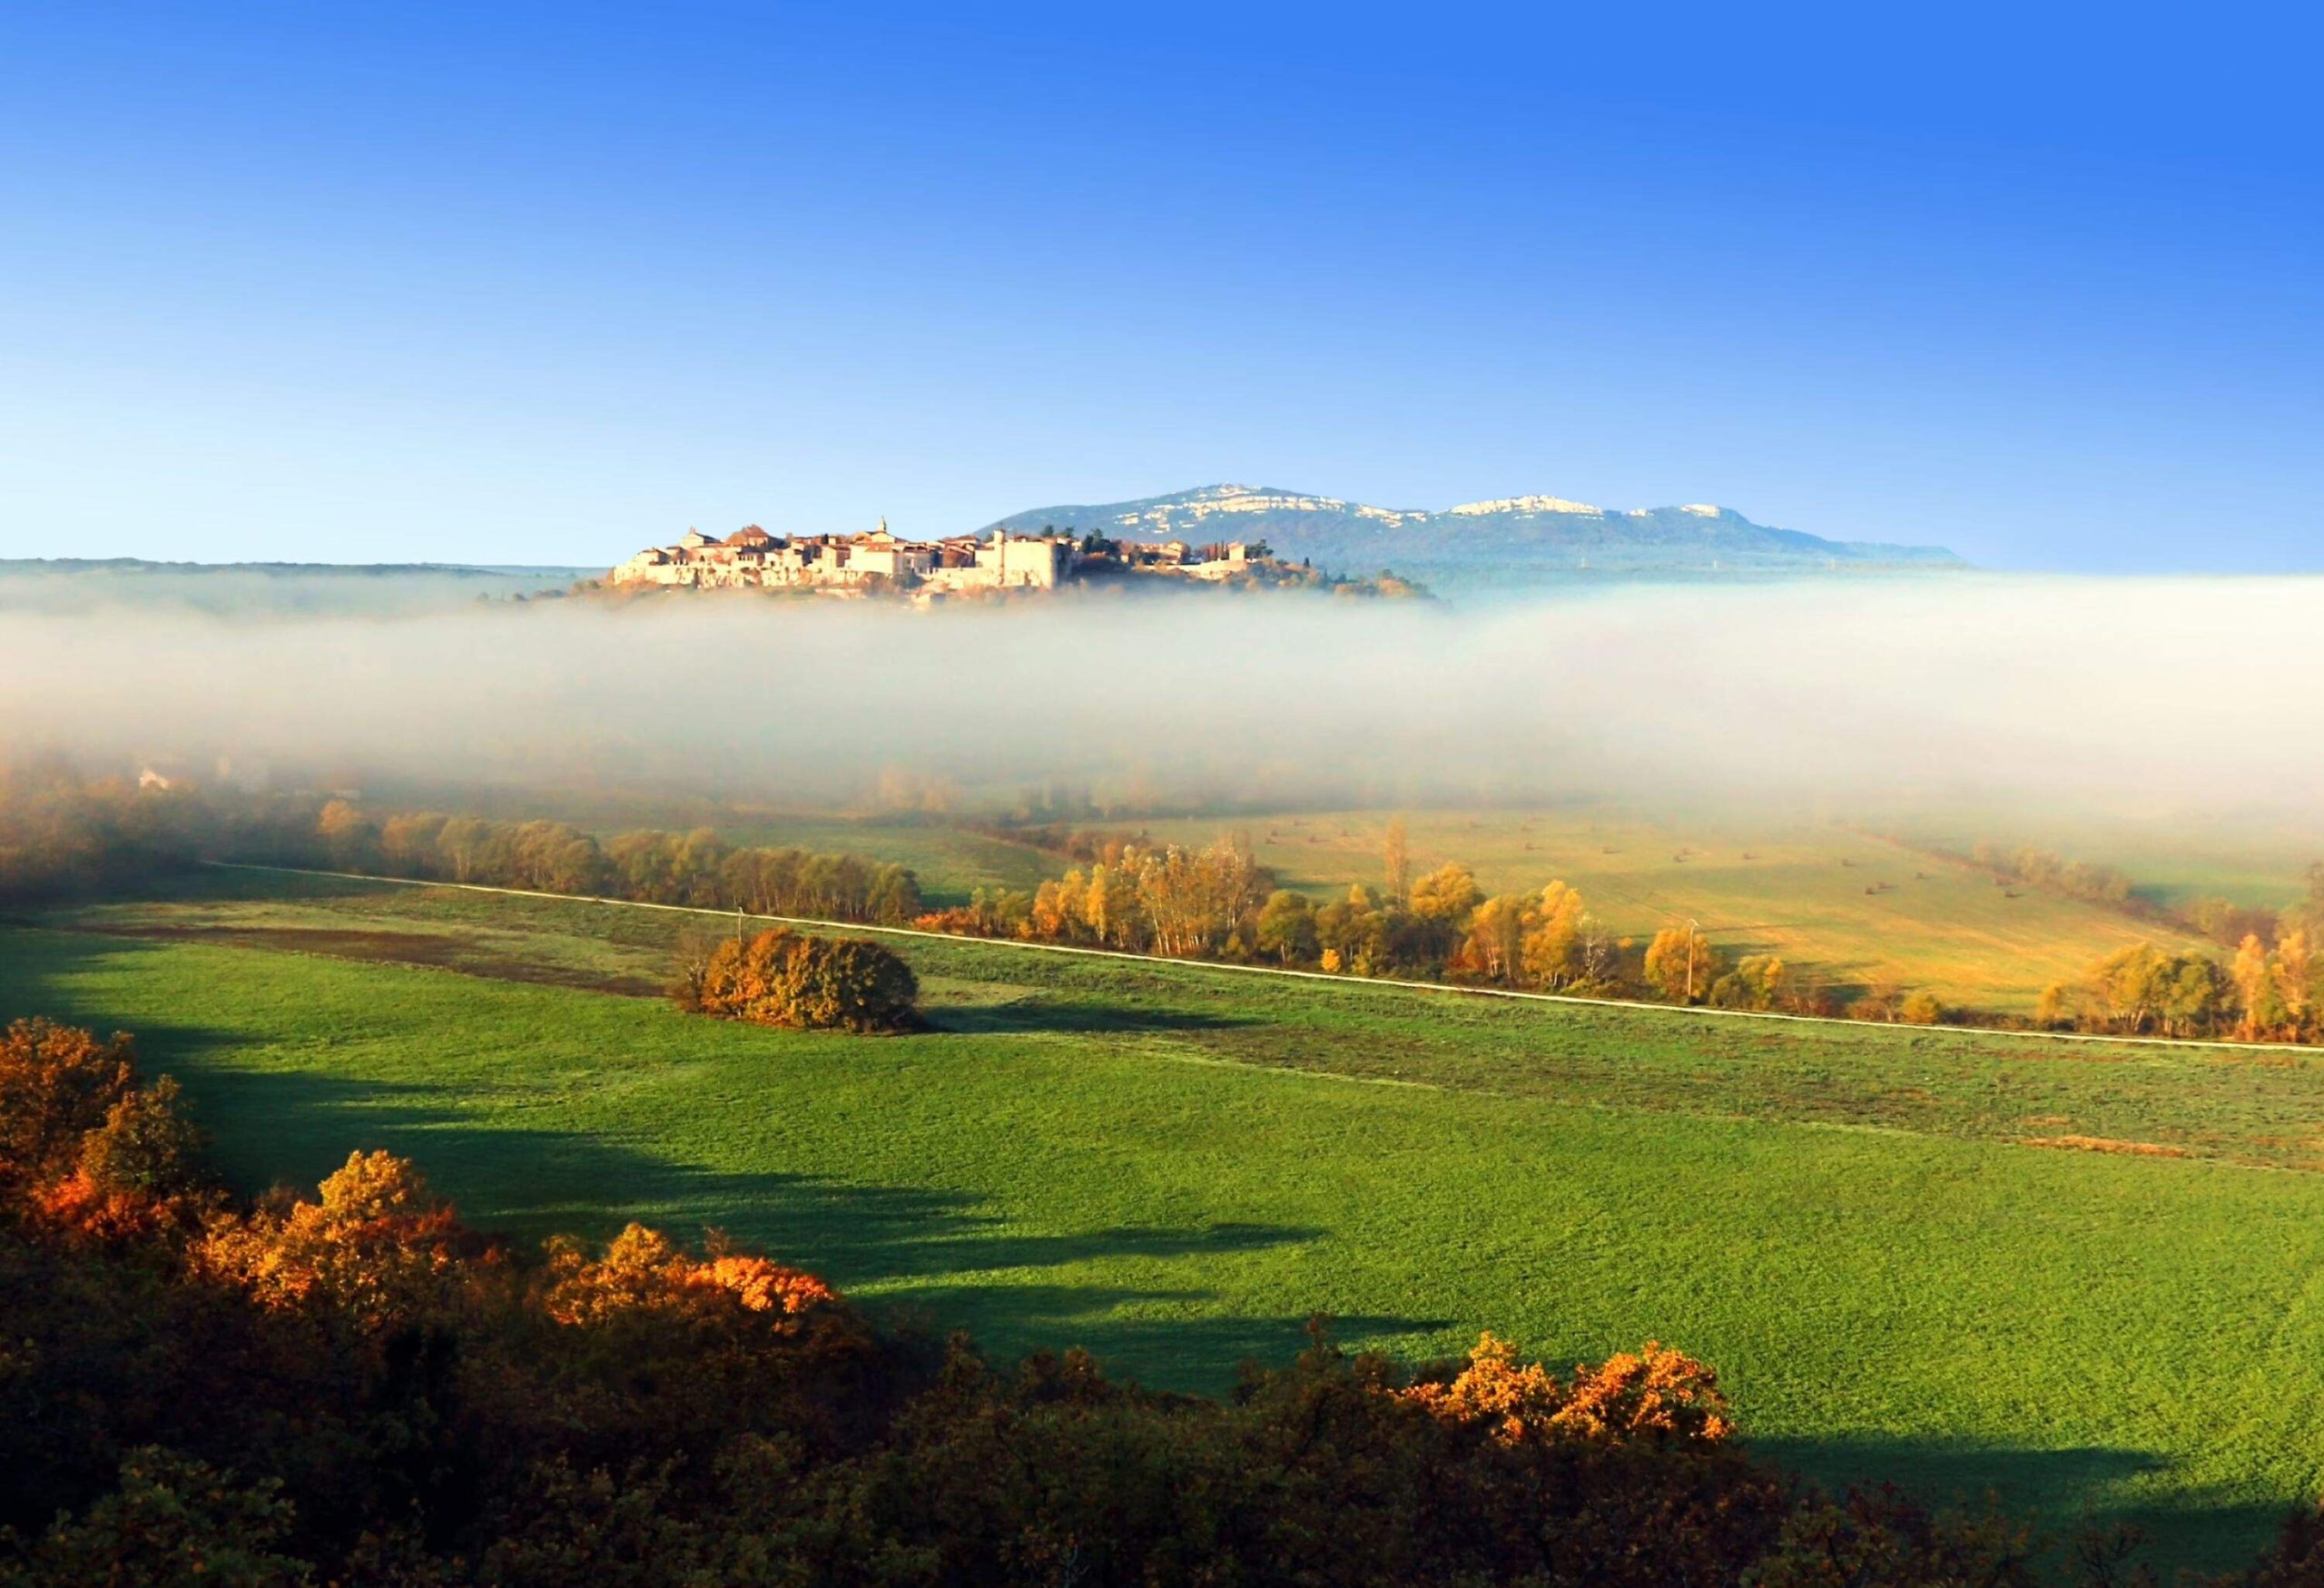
(1176,1165)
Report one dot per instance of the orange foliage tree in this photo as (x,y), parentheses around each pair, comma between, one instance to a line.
(784,978)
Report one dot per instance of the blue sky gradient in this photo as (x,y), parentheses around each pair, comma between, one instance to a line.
(543,283)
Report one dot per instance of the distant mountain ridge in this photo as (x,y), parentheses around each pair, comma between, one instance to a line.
(1535,532)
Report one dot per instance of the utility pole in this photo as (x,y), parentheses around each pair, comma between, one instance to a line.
(1692,928)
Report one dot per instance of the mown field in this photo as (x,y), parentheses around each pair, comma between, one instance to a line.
(1844,907)
(2256,857)
(1176,1165)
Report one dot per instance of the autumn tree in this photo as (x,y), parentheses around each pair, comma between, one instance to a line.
(350,839)
(410,842)
(376,1248)
(1681,964)
(784,978)
(2254,976)
(1556,932)
(58,1083)
(1396,857)
(1447,893)
(2196,998)
(2295,969)
(1494,944)
(1286,927)
(1757,982)
(2143,988)
(642,1271)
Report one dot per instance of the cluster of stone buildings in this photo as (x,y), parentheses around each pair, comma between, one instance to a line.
(751,557)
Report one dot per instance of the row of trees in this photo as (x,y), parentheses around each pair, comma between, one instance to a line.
(57,831)
(353,1385)
(62,832)
(2053,873)
(2271,990)
(697,868)
(1218,903)
(2222,920)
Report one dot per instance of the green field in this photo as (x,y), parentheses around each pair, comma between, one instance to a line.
(1174,1166)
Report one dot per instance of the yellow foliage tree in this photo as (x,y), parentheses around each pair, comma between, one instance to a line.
(1681,964)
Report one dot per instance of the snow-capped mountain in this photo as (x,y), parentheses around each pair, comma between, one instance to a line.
(1528,531)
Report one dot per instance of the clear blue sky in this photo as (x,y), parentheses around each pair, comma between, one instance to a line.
(540,284)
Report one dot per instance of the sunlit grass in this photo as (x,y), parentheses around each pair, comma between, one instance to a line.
(1176,1166)
(1844,907)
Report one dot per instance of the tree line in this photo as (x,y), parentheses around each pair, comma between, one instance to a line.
(1216,902)
(2053,873)
(62,832)
(2265,994)
(352,1385)
(58,831)
(698,868)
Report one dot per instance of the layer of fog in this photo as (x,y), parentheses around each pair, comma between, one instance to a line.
(1843,697)
(263,590)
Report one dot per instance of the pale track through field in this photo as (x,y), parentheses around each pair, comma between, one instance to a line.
(1354,984)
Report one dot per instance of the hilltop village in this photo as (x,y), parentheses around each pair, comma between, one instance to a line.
(880,563)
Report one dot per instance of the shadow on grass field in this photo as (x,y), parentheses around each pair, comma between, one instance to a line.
(932,1258)
(2048,1489)
(1167,1166)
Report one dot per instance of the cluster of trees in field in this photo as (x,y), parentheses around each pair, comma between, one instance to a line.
(350,1385)
(2271,990)
(784,978)
(2265,994)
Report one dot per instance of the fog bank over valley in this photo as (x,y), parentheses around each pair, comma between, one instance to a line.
(2114,697)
